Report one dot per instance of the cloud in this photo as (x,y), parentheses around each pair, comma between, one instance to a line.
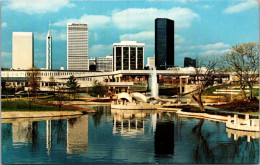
(37,6)
(147,37)
(178,47)
(214,52)
(94,21)
(187,54)
(219,45)
(100,50)
(186,1)
(143,18)
(242,6)
(6,54)
(56,35)
(178,39)
(6,59)
(4,24)
(144,36)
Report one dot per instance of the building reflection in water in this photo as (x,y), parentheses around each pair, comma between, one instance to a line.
(22,133)
(164,138)
(129,122)
(77,135)
(48,136)
(236,134)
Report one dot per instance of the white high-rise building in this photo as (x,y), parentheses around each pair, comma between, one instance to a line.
(150,62)
(77,46)
(22,49)
(49,51)
(128,55)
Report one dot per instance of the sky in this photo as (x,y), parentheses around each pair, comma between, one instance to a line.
(202,27)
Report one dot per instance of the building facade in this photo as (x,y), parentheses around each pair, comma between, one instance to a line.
(77,46)
(189,62)
(104,64)
(48,51)
(22,49)
(164,43)
(128,55)
(150,62)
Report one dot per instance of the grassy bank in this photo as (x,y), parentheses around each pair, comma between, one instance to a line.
(24,105)
(240,106)
(193,109)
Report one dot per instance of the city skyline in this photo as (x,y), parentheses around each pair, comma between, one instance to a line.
(202,27)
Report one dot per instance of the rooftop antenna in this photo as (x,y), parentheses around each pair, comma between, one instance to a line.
(49,27)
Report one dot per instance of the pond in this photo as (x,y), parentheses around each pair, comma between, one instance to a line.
(133,136)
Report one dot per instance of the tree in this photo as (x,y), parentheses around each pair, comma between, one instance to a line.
(98,88)
(243,61)
(204,74)
(60,96)
(34,82)
(73,86)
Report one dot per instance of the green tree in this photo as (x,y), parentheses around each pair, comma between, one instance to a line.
(243,61)
(73,86)
(98,88)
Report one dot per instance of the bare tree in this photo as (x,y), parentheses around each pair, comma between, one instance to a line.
(34,82)
(204,75)
(60,96)
(53,84)
(243,61)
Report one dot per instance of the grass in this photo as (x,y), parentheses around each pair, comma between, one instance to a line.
(192,109)
(24,105)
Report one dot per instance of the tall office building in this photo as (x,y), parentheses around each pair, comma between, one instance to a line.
(77,46)
(189,62)
(164,43)
(22,49)
(128,55)
(49,51)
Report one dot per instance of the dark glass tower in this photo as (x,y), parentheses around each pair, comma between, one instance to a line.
(164,43)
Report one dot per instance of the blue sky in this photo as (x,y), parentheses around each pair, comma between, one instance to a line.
(202,27)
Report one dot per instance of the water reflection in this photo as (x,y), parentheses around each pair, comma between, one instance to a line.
(77,135)
(238,134)
(130,122)
(48,136)
(164,138)
(131,136)
(22,133)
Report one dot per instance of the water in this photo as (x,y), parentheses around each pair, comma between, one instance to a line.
(154,84)
(116,136)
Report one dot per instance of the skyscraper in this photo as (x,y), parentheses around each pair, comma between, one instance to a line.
(49,51)
(164,43)
(22,49)
(77,46)
(128,55)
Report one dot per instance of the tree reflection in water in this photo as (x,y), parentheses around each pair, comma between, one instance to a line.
(34,136)
(203,153)
(6,132)
(236,151)
(60,129)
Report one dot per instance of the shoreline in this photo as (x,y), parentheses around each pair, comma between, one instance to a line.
(38,114)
